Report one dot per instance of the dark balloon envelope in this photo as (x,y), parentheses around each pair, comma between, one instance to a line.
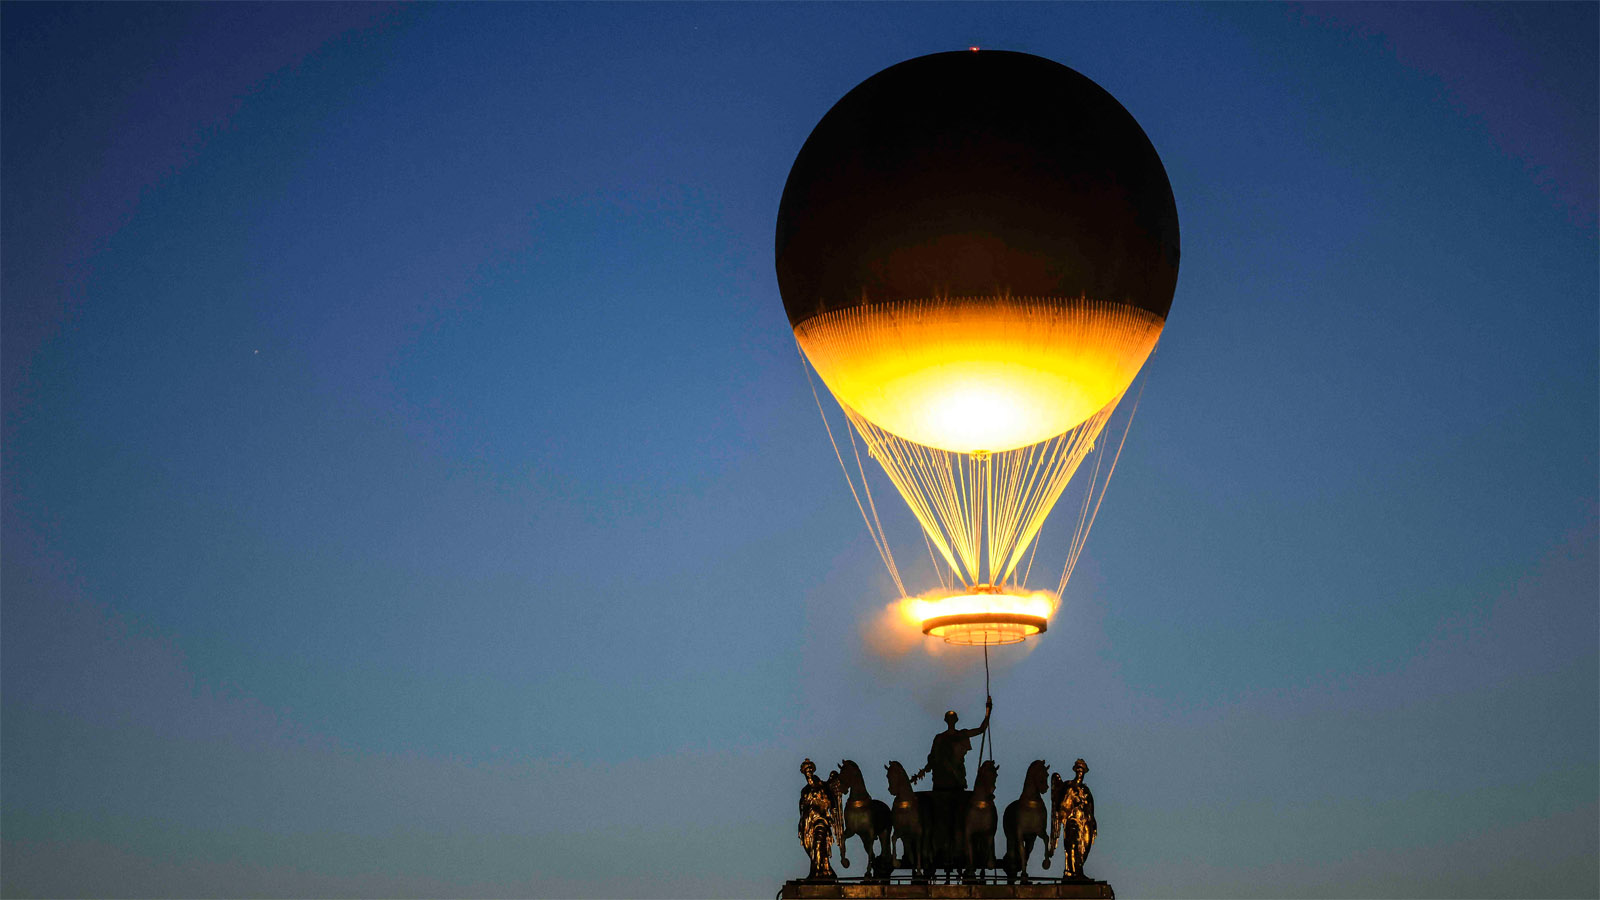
(976,174)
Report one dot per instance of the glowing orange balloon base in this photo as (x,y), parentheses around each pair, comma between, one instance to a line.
(984,615)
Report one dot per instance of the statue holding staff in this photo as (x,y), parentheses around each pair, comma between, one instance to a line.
(947,758)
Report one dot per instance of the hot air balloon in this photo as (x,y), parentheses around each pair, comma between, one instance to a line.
(977,251)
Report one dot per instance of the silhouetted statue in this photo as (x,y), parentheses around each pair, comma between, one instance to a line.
(979,823)
(1026,820)
(819,819)
(865,818)
(1072,813)
(947,759)
(908,821)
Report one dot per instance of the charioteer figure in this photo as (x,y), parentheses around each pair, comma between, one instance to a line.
(947,759)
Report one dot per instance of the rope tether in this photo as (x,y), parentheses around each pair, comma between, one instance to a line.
(986,739)
(986,698)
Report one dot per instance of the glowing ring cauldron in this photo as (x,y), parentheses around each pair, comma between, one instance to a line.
(984,614)
(984,628)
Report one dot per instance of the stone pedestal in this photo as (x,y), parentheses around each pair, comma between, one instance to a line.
(857,890)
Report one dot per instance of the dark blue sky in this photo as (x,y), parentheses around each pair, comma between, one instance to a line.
(411,486)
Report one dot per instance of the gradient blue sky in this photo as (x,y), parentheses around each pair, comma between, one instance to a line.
(411,488)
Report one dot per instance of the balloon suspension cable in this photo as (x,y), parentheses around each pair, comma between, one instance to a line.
(874,526)
(1088,513)
(980,512)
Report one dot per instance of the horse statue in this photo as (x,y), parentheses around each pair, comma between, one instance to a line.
(865,818)
(906,821)
(1072,811)
(979,823)
(1025,822)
